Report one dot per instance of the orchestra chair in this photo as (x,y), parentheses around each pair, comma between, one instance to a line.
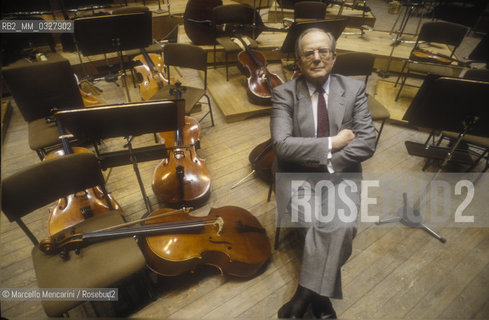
(315,10)
(101,265)
(362,64)
(229,19)
(447,33)
(38,87)
(192,57)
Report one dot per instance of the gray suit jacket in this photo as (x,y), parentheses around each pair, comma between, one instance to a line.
(293,133)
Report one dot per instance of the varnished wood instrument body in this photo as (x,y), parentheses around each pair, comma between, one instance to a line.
(260,80)
(75,208)
(89,99)
(261,160)
(152,73)
(236,243)
(182,179)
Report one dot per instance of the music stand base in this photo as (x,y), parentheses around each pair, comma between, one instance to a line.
(411,218)
(111,77)
(383,74)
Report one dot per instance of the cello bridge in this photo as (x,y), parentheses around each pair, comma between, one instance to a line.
(219,223)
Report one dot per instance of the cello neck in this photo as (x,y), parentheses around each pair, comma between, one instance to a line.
(250,52)
(81,240)
(64,138)
(150,63)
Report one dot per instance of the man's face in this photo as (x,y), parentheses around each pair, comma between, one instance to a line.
(316,60)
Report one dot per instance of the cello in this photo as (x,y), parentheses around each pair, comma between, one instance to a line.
(230,238)
(182,179)
(152,73)
(77,207)
(260,80)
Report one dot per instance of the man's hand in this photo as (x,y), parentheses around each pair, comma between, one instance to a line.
(343,138)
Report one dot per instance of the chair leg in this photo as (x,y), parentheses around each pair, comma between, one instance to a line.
(400,89)
(402,71)
(210,110)
(277,238)
(379,132)
(40,154)
(226,62)
(270,190)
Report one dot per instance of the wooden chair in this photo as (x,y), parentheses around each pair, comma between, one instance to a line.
(102,265)
(361,64)
(187,56)
(450,34)
(37,88)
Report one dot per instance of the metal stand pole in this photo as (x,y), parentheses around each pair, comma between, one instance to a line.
(116,43)
(410,216)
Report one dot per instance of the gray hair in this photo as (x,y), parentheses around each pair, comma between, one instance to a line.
(298,49)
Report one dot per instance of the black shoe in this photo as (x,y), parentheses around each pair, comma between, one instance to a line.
(297,306)
(322,308)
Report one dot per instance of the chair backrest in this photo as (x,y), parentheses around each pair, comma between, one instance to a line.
(47,181)
(134,9)
(39,86)
(442,32)
(238,14)
(186,56)
(309,10)
(354,64)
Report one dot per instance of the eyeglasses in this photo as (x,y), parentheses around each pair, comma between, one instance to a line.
(324,53)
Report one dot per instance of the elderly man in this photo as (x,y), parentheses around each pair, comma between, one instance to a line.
(320,122)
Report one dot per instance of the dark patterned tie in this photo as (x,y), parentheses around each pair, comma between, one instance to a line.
(323,119)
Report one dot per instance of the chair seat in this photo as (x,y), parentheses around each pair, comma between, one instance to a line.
(433,68)
(230,46)
(476,140)
(43,134)
(191,95)
(377,110)
(111,261)
(153,48)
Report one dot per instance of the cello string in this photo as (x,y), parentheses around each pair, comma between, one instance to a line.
(163,214)
(147,228)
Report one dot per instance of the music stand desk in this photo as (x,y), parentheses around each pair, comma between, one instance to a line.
(335,27)
(125,120)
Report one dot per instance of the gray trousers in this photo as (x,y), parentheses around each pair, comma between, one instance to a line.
(328,236)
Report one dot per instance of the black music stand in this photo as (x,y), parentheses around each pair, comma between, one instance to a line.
(125,120)
(114,33)
(335,27)
(443,103)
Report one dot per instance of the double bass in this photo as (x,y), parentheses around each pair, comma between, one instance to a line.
(260,80)
(182,179)
(230,238)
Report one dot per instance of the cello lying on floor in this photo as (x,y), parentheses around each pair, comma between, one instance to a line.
(230,238)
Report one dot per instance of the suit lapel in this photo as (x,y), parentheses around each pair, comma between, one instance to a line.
(305,117)
(336,105)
